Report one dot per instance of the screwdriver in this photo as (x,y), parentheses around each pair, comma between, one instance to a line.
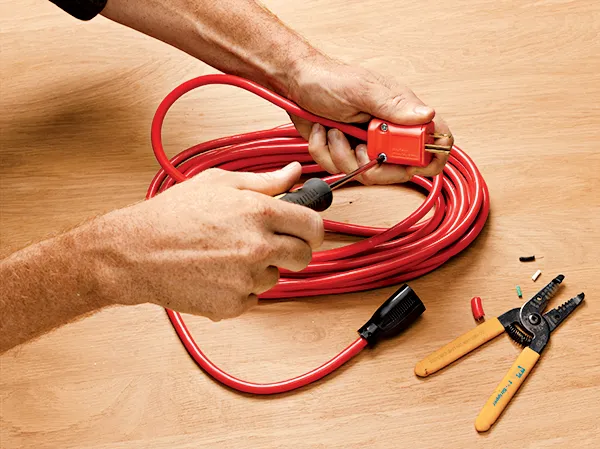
(316,193)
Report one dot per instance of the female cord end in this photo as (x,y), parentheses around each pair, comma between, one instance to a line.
(397,313)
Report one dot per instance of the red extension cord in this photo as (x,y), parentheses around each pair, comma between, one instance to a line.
(386,257)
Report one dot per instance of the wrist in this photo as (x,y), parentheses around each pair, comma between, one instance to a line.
(307,76)
(100,261)
(295,63)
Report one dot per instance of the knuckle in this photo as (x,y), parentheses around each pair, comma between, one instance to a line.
(212,174)
(316,149)
(252,200)
(235,307)
(259,208)
(239,306)
(368,179)
(274,274)
(317,228)
(255,208)
(398,100)
(367,83)
(248,302)
(261,249)
(269,279)
(349,114)
(267,210)
(213,317)
(304,256)
(422,172)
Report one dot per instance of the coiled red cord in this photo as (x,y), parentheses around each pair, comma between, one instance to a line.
(412,248)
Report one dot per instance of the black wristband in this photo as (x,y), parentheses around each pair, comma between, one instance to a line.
(81,9)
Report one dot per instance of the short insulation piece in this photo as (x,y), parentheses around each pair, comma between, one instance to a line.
(477,308)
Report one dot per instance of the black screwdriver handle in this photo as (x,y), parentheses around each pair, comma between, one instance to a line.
(314,194)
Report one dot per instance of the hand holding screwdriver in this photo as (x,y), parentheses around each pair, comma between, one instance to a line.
(316,194)
(220,239)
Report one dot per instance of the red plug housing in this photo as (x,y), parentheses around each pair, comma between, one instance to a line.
(403,145)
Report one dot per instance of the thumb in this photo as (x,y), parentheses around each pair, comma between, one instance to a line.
(401,106)
(270,183)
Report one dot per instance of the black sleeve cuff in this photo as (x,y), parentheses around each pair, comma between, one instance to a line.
(81,9)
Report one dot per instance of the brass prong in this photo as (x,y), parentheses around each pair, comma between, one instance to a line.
(441,136)
(437,148)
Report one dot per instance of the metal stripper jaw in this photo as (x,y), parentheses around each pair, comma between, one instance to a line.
(556,316)
(528,327)
(517,322)
(538,303)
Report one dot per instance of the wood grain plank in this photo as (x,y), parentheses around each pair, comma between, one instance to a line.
(517,81)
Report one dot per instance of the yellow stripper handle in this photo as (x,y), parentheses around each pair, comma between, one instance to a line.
(459,347)
(506,389)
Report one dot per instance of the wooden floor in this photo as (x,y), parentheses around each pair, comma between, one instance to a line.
(519,84)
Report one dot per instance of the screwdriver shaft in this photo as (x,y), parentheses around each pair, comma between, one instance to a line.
(350,176)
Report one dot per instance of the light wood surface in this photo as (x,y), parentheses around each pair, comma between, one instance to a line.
(519,84)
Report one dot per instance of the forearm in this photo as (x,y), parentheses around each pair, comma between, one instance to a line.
(49,284)
(239,37)
(207,246)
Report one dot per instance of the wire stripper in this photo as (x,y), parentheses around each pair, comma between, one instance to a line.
(526,326)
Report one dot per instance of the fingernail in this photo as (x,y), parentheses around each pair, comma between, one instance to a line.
(316,128)
(423,110)
(361,154)
(290,166)
(334,134)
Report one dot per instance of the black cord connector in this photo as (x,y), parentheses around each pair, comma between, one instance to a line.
(397,313)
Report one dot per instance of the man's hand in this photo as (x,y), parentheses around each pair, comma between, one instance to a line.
(207,246)
(245,39)
(210,245)
(353,95)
